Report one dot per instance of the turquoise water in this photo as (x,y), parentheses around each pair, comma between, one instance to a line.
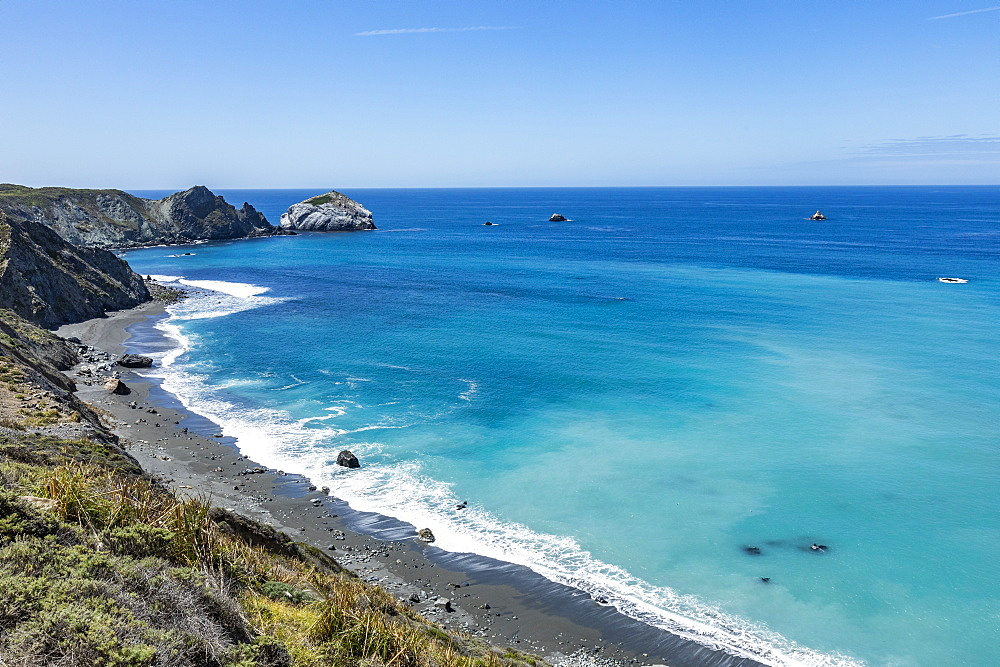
(629,399)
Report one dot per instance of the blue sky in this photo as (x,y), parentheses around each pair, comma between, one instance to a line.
(405,93)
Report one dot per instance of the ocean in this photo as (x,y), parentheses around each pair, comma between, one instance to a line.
(664,401)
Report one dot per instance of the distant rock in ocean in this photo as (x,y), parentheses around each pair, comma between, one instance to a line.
(330,212)
(557,217)
(117,219)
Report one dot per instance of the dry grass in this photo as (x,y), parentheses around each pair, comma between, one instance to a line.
(252,606)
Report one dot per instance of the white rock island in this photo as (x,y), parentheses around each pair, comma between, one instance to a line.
(330,212)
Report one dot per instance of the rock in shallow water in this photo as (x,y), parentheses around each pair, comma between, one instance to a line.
(331,212)
(347,459)
(425,535)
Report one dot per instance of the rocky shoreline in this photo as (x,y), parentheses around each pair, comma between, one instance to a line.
(500,602)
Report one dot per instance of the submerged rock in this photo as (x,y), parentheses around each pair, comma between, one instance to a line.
(331,212)
(135,361)
(425,535)
(347,459)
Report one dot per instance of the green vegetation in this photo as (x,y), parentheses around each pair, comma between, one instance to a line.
(22,195)
(322,199)
(9,371)
(101,566)
(4,240)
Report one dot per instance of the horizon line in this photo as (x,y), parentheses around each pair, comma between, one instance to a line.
(531,187)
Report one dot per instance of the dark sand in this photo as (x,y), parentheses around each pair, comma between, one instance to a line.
(504,603)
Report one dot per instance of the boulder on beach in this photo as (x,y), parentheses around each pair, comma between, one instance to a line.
(425,535)
(116,386)
(347,459)
(135,361)
(330,212)
(557,217)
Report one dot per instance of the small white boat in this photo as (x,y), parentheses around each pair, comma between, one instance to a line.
(952,280)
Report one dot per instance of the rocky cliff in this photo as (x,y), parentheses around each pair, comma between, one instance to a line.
(116,219)
(330,212)
(49,282)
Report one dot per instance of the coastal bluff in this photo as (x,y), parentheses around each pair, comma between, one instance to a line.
(117,219)
(48,281)
(330,212)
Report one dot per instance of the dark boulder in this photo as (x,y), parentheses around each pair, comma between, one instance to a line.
(347,459)
(556,217)
(135,361)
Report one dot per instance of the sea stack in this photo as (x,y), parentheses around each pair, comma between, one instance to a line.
(330,212)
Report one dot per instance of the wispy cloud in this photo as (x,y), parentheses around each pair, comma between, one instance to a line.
(957,146)
(971,11)
(407,31)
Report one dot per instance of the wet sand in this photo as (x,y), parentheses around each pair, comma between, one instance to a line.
(507,604)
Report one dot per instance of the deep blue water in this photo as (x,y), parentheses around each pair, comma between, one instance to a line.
(630,398)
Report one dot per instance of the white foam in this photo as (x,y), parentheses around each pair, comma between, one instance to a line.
(472,390)
(217,298)
(235,289)
(165,279)
(298,383)
(335,411)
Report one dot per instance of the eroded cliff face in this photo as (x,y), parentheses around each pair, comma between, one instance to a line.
(330,212)
(116,219)
(49,282)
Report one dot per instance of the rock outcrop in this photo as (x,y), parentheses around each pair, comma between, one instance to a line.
(116,219)
(116,386)
(557,217)
(331,212)
(49,282)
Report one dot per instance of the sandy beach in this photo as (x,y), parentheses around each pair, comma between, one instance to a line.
(504,603)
